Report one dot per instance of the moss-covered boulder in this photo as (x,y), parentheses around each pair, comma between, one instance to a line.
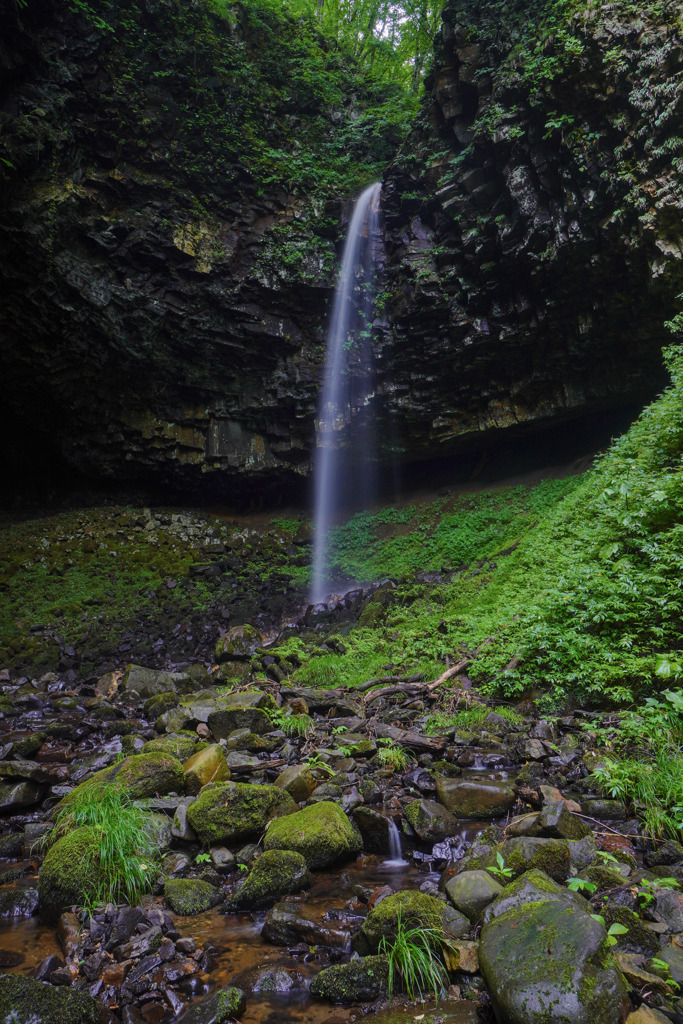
(26,1001)
(556,821)
(149,682)
(355,982)
(532,887)
(524,853)
(140,776)
(227,1004)
(547,963)
(232,812)
(413,909)
(472,891)
(474,798)
(207,765)
(321,833)
(70,872)
(159,704)
(189,896)
(637,938)
(430,820)
(238,643)
(298,781)
(276,873)
(226,720)
(176,744)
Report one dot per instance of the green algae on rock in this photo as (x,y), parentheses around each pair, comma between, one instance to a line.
(26,1001)
(358,981)
(71,872)
(188,896)
(275,874)
(140,776)
(545,963)
(474,798)
(321,833)
(225,1005)
(207,765)
(231,812)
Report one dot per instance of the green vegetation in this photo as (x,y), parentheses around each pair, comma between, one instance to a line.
(441,721)
(124,849)
(290,724)
(395,758)
(647,763)
(415,957)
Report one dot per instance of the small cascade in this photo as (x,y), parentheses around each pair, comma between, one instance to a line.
(344,469)
(395,852)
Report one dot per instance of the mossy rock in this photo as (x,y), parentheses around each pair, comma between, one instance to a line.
(231,812)
(26,1001)
(547,963)
(524,853)
(603,877)
(415,910)
(159,704)
(474,798)
(207,765)
(532,887)
(176,744)
(430,820)
(71,871)
(238,644)
(471,892)
(139,775)
(321,833)
(638,938)
(188,896)
(276,873)
(298,781)
(228,1004)
(358,981)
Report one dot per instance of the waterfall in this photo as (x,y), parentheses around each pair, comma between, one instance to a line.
(395,853)
(345,457)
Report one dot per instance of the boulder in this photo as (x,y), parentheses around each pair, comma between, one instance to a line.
(232,812)
(414,909)
(24,1000)
(273,978)
(148,682)
(188,896)
(140,775)
(18,902)
(71,871)
(471,892)
(296,780)
(532,887)
(430,820)
(226,720)
(374,829)
(547,963)
(238,644)
(294,921)
(321,833)
(473,798)
(556,821)
(227,1004)
(358,981)
(275,874)
(176,744)
(522,854)
(22,793)
(207,765)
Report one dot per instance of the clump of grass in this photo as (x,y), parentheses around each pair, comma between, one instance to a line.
(395,758)
(126,843)
(440,721)
(291,724)
(415,959)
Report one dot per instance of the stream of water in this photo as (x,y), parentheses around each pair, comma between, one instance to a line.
(344,468)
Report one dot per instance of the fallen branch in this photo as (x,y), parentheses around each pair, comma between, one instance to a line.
(381,680)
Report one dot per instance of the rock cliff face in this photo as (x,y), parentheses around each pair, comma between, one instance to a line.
(534,220)
(168,250)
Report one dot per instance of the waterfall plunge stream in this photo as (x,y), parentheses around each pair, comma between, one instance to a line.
(344,465)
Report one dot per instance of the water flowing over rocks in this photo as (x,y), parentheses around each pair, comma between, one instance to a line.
(489,875)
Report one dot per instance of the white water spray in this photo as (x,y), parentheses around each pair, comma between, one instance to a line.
(343,469)
(395,852)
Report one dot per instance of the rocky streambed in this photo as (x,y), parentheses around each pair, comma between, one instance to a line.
(292,832)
